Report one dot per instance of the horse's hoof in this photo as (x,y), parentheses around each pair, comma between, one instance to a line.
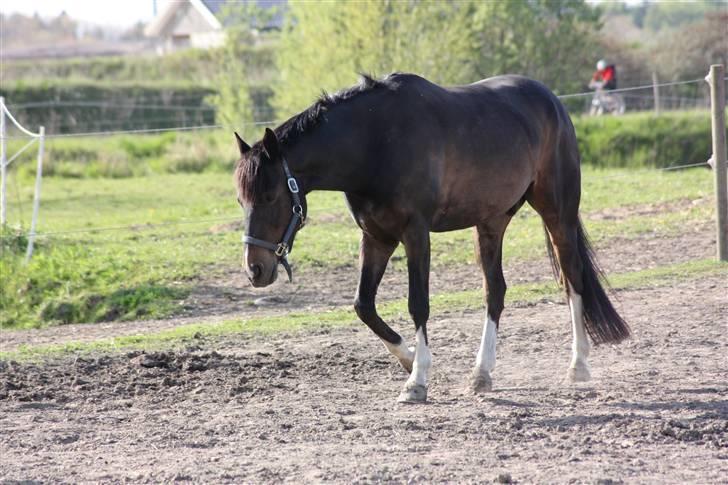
(579,373)
(480,382)
(413,394)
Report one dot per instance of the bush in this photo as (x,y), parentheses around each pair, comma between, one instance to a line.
(197,66)
(645,139)
(66,107)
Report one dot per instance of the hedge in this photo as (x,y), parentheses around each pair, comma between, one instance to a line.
(645,139)
(68,106)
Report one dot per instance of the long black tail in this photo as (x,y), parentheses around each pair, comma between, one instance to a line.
(602,322)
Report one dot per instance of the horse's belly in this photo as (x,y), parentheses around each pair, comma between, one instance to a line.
(455,218)
(477,200)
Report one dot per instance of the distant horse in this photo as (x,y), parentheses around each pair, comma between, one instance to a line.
(413,157)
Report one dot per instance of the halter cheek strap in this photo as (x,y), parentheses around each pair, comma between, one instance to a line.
(297,221)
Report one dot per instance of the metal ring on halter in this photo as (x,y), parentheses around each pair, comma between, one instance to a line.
(298,210)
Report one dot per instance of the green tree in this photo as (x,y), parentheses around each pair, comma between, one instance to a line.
(237,64)
(664,15)
(324,44)
(553,41)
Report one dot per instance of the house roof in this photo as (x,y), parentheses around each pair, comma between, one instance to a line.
(157,26)
(210,10)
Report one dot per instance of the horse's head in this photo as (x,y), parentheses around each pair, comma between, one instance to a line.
(275,208)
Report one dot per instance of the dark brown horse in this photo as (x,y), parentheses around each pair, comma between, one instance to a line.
(413,157)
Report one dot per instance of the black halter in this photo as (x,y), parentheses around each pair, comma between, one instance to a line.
(297,221)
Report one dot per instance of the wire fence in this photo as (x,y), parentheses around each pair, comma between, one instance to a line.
(147,226)
(92,117)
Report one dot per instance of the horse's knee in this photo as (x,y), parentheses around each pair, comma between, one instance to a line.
(366,312)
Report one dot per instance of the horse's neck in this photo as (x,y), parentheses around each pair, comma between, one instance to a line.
(325,163)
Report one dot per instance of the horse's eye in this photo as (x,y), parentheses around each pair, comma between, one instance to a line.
(269,197)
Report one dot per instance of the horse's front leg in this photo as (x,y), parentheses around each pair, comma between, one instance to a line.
(417,246)
(373,257)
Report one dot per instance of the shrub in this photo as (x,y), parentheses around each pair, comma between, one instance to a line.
(645,139)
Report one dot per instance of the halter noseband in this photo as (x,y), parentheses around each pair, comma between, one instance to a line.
(298,219)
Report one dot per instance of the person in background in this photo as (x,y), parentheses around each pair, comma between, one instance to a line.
(606,75)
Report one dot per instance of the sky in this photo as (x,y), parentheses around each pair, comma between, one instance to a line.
(116,13)
(101,12)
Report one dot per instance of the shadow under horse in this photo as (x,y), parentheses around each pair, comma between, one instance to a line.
(413,157)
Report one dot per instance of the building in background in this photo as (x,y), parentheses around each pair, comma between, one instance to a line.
(197,24)
(186,24)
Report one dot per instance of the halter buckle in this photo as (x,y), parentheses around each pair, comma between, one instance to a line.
(281,250)
(292,185)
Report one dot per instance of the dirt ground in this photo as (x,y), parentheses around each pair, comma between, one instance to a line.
(320,406)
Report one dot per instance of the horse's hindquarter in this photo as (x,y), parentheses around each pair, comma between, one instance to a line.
(497,132)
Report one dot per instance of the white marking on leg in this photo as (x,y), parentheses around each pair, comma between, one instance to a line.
(404,354)
(579,368)
(423,361)
(485,360)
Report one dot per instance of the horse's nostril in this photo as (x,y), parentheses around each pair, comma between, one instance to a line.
(255,269)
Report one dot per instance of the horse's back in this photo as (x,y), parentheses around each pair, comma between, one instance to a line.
(497,136)
(479,147)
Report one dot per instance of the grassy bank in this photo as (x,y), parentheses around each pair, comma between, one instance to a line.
(145,269)
(393,311)
(630,141)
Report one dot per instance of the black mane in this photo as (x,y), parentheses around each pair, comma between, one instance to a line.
(311,116)
(248,175)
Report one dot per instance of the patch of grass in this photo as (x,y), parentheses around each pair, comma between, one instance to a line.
(123,156)
(394,311)
(70,284)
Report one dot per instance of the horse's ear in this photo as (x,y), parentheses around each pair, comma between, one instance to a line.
(270,144)
(242,146)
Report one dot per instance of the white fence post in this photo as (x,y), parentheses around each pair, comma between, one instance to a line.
(36,196)
(3,167)
(717,103)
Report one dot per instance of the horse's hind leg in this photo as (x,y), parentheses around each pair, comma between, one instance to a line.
(373,257)
(489,248)
(592,314)
(564,239)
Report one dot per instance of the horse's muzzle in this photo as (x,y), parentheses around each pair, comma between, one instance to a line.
(260,278)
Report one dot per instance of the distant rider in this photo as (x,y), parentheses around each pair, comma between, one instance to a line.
(605,76)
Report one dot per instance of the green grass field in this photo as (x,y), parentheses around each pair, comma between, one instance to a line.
(143,270)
